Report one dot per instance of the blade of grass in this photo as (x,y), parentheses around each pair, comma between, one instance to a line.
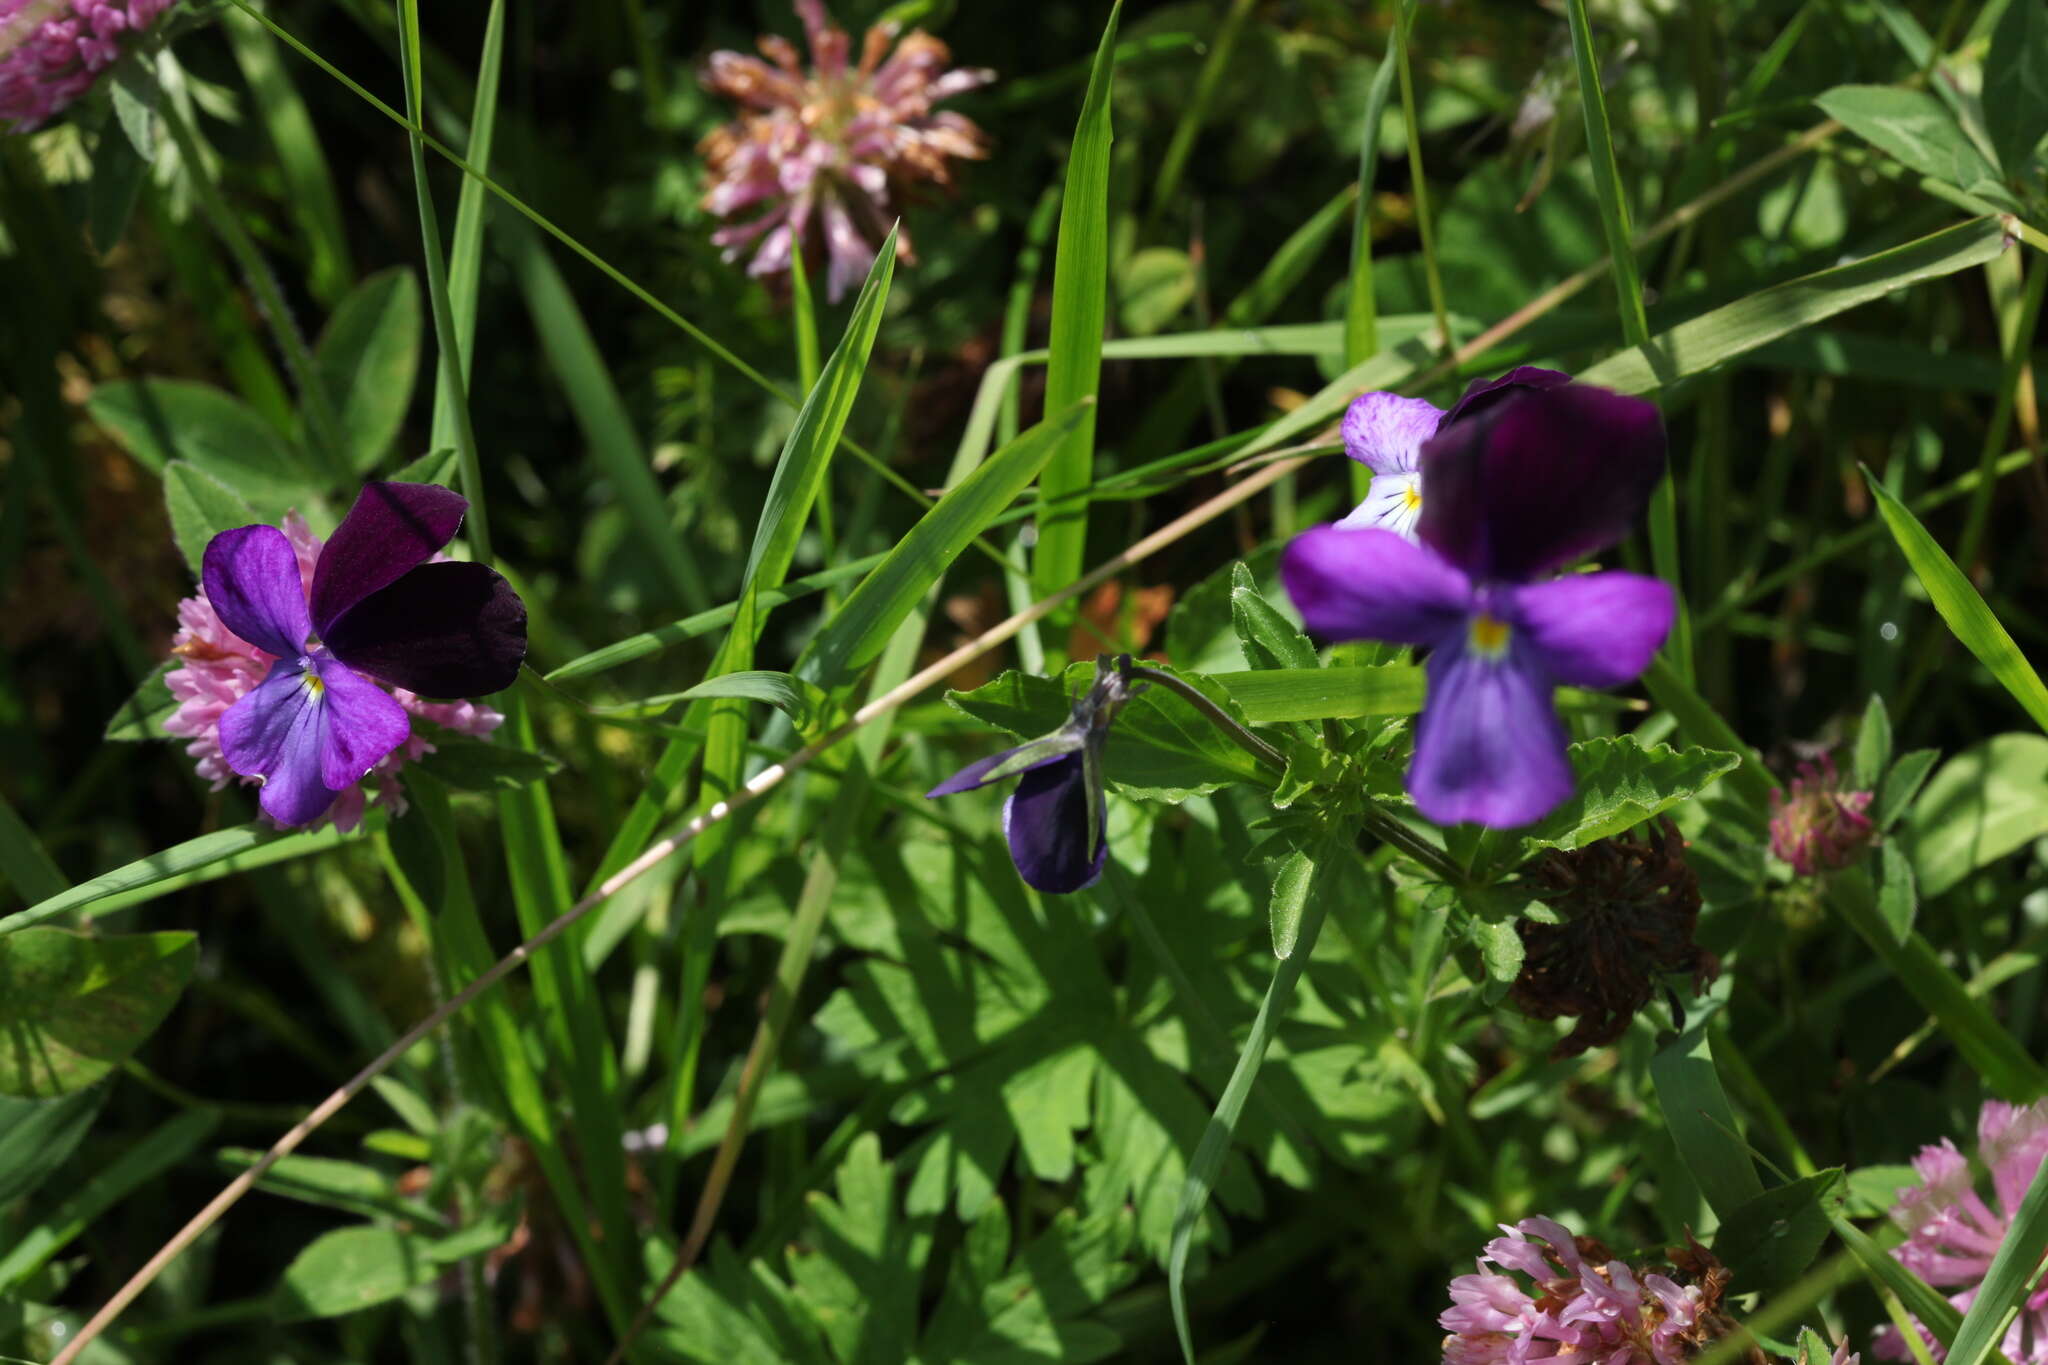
(1361,306)
(23,862)
(1418,181)
(1961,606)
(1188,126)
(1080,305)
(2006,1283)
(1702,1122)
(466,251)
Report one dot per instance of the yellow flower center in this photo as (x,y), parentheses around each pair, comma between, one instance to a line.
(315,684)
(1411,498)
(1488,635)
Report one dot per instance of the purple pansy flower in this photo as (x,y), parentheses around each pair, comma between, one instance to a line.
(1056,818)
(378,610)
(1525,475)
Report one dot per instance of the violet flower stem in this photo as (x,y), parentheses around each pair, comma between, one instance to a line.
(1216,715)
(1404,840)
(322,427)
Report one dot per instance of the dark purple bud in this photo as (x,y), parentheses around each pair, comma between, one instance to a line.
(1055,824)
(1538,479)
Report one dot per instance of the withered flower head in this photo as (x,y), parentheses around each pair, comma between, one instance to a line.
(1629,906)
(831,148)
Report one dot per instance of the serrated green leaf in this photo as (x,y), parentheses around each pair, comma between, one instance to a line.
(1984,803)
(1501,952)
(1273,696)
(161,420)
(1772,1239)
(1617,784)
(200,508)
(1912,126)
(142,716)
(1270,640)
(368,361)
(478,766)
(1961,606)
(1160,748)
(1873,745)
(73,1007)
(2016,86)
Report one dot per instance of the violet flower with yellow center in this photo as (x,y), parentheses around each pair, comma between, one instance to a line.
(1525,475)
(829,152)
(375,615)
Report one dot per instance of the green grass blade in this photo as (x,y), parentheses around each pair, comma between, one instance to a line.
(1080,303)
(1207,1162)
(1920,1299)
(861,627)
(1729,331)
(1961,606)
(466,251)
(2006,1284)
(615,446)
(1702,1122)
(23,862)
(1192,115)
(1361,306)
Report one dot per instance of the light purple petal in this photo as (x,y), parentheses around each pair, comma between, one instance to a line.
(1392,503)
(392,529)
(1594,630)
(1483,393)
(1385,431)
(364,723)
(1010,763)
(1489,747)
(1047,823)
(252,579)
(278,732)
(1539,479)
(1373,585)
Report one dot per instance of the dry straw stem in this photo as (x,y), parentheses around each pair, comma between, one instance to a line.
(757,786)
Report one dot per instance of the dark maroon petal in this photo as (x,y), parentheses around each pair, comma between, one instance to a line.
(444,630)
(1047,822)
(251,575)
(392,529)
(1539,479)
(1481,394)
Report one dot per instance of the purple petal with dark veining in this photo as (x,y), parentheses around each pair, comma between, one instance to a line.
(252,579)
(1385,431)
(1373,585)
(393,528)
(1047,822)
(364,723)
(1035,754)
(451,629)
(1594,630)
(308,738)
(1489,747)
(1542,478)
(1481,394)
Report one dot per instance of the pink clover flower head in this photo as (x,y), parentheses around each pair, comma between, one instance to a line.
(1580,1304)
(303,664)
(51,52)
(1526,474)
(826,152)
(1820,825)
(1953,1232)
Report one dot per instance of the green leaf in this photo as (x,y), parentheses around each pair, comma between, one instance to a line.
(1936,1313)
(1772,1239)
(1270,640)
(479,766)
(1723,333)
(1701,1122)
(200,507)
(2016,86)
(1961,606)
(1080,283)
(1307,869)
(798,699)
(38,1136)
(1617,784)
(136,95)
(1902,784)
(1501,952)
(1291,882)
(2011,1274)
(73,1007)
(1276,695)
(861,627)
(1897,901)
(24,862)
(161,420)
(1985,803)
(436,466)
(1153,285)
(1873,745)
(350,1269)
(1160,748)
(368,361)
(118,174)
(1912,126)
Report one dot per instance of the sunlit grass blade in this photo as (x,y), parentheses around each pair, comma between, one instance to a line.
(1361,304)
(1961,605)
(2007,1282)
(466,250)
(863,625)
(1080,306)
